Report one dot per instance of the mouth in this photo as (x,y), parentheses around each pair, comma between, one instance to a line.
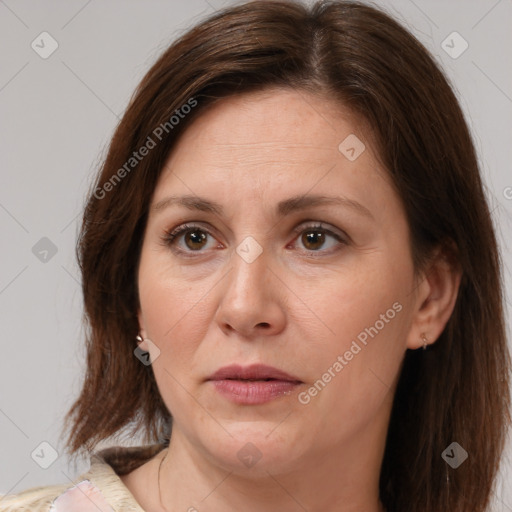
(255,372)
(252,385)
(252,380)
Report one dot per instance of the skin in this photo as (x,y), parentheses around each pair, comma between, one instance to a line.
(298,306)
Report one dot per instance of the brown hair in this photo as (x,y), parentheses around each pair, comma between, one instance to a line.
(458,390)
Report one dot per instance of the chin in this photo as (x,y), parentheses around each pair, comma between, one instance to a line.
(255,449)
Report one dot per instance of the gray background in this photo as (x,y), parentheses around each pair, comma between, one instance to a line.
(57,115)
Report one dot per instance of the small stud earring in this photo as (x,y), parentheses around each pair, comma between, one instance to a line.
(139,338)
(425,341)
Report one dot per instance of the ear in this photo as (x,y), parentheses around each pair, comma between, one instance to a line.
(142,332)
(435,298)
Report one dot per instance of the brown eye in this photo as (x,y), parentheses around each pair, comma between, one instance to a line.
(195,239)
(319,239)
(313,240)
(189,238)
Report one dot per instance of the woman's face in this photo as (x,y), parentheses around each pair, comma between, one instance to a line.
(296,257)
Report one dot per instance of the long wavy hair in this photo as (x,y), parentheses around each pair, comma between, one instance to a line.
(344,51)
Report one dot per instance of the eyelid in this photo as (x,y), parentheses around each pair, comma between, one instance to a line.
(170,236)
(313,224)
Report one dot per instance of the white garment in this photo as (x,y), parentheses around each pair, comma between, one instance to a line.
(98,490)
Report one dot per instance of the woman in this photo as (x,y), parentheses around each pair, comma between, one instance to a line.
(291,280)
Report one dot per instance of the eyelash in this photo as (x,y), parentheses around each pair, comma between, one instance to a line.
(171,237)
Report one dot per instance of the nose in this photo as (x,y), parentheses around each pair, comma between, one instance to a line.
(252,298)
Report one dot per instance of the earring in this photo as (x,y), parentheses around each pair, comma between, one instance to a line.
(139,338)
(424,339)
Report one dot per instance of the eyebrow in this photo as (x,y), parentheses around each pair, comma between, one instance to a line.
(286,207)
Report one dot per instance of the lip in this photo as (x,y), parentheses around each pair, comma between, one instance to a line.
(232,382)
(255,371)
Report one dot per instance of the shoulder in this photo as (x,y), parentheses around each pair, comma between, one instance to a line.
(84,496)
(35,499)
(98,489)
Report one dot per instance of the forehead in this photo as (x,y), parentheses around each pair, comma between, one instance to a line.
(273,142)
(273,121)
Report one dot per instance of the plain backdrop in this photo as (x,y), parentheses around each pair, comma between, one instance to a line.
(57,116)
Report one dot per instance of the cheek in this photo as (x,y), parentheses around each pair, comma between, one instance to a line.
(365,319)
(352,299)
(174,312)
(175,319)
